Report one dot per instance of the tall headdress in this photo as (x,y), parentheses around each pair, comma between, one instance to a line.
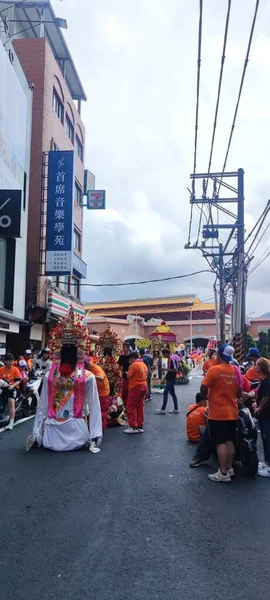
(109,339)
(70,330)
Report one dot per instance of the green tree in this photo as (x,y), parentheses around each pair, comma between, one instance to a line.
(250,341)
(263,343)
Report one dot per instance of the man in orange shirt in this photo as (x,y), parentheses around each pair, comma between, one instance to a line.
(210,361)
(103,387)
(12,376)
(221,386)
(196,418)
(137,390)
(253,356)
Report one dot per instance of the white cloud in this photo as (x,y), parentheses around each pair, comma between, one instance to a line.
(138,65)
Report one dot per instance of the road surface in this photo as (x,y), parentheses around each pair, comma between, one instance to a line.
(133,522)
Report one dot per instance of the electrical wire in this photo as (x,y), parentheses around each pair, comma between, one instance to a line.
(199,60)
(260,261)
(219,89)
(147,281)
(240,90)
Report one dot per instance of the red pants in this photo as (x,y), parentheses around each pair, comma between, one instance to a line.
(125,392)
(105,402)
(135,406)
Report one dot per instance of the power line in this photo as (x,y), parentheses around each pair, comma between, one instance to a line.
(240,89)
(260,261)
(219,88)
(147,281)
(199,60)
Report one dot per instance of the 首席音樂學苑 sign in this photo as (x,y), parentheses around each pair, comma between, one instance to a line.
(59,230)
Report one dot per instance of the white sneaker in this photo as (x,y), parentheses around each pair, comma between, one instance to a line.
(10,426)
(264,472)
(30,442)
(131,430)
(219,477)
(262,466)
(93,448)
(174,412)
(140,429)
(160,412)
(231,472)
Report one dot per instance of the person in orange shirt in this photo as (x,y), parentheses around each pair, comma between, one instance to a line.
(103,387)
(137,391)
(12,376)
(28,359)
(252,373)
(196,418)
(210,361)
(222,388)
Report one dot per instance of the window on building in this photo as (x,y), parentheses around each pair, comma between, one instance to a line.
(75,287)
(69,129)
(58,106)
(77,240)
(63,283)
(54,146)
(199,328)
(79,148)
(78,194)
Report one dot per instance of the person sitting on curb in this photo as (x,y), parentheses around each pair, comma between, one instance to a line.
(196,418)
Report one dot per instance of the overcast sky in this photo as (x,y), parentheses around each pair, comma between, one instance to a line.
(137,62)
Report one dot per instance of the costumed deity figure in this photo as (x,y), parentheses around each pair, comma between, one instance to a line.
(110,348)
(68,414)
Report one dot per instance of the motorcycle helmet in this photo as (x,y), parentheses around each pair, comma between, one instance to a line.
(22,364)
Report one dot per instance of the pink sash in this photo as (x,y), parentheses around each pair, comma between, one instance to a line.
(78,391)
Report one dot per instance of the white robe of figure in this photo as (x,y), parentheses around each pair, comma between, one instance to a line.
(71,433)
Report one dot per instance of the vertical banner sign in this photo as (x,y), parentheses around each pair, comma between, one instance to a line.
(89,182)
(59,233)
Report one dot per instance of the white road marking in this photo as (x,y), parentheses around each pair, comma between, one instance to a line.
(18,422)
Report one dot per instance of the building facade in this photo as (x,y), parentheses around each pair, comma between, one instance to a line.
(15,143)
(189,318)
(57,126)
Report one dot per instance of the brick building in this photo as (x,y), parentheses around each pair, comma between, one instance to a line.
(57,125)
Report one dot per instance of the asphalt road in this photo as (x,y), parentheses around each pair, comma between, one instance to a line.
(133,522)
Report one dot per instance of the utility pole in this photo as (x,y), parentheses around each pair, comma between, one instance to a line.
(221,296)
(217,313)
(233,272)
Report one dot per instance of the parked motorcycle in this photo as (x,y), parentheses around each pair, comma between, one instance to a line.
(25,404)
(246,447)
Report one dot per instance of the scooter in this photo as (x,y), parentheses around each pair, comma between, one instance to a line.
(32,393)
(246,447)
(25,404)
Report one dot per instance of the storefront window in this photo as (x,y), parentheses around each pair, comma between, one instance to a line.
(3,254)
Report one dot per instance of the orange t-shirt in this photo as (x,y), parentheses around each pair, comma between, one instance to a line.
(208,363)
(196,419)
(252,374)
(137,374)
(222,394)
(102,386)
(9,375)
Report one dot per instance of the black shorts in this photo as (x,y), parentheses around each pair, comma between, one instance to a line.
(222,431)
(14,394)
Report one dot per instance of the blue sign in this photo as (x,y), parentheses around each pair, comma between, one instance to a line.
(59,232)
(96,200)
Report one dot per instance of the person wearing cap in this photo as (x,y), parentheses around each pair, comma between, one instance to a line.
(253,356)
(222,385)
(43,363)
(28,359)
